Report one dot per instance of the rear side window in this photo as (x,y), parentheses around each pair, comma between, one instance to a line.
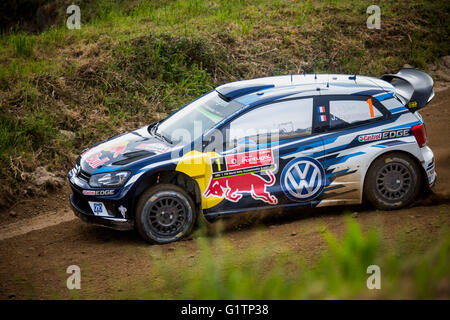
(348,112)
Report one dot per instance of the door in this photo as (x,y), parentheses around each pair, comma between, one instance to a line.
(258,145)
(348,118)
(303,177)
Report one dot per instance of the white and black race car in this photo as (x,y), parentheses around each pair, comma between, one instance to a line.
(287,141)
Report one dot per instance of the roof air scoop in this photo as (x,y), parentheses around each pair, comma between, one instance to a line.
(233,91)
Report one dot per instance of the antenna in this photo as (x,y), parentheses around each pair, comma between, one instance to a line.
(304,72)
(291,77)
(315,76)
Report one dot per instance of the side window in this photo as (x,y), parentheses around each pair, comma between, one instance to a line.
(348,112)
(289,119)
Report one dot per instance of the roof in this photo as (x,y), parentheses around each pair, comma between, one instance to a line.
(256,91)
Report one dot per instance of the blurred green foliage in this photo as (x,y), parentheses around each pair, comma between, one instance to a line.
(340,272)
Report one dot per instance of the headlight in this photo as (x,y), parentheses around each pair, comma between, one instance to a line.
(109,179)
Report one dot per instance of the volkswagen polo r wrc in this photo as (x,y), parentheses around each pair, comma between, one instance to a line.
(286,141)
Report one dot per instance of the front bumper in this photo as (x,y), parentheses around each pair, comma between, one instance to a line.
(108,210)
(109,222)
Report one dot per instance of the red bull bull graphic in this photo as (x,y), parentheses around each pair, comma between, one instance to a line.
(117,148)
(233,175)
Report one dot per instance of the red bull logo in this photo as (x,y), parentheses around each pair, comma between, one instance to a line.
(117,148)
(231,188)
(234,175)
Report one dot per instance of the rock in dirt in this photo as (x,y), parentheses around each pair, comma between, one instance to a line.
(355,215)
(45,179)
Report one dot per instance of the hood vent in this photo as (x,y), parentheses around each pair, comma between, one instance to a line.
(133,156)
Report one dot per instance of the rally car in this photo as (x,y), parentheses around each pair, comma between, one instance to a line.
(287,141)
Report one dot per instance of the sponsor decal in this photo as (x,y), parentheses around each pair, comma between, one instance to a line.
(241,163)
(122,211)
(384,135)
(117,148)
(197,165)
(98,192)
(84,152)
(95,161)
(322,118)
(412,104)
(303,179)
(157,148)
(233,175)
(98,208)
(321,109)
(369,137)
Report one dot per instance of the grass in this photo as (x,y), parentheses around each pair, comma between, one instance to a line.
(22,44)
(134,62)
(35,130)
(339,273)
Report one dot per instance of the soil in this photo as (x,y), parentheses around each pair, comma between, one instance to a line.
(40,238)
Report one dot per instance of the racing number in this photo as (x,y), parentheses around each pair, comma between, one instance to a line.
(369,101)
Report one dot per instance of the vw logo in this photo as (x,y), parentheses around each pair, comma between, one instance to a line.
(303,179)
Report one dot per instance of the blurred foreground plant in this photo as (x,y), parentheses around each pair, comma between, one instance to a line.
(274,273)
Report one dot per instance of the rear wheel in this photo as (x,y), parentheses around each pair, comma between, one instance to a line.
(165,213)
(392,182)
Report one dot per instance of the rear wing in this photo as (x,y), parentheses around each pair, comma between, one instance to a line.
(414,86)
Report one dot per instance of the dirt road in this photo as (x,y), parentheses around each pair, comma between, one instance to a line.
(37,248)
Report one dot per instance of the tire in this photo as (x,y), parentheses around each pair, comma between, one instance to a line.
(393,181)
(165,213)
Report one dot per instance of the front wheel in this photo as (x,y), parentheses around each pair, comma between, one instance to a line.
(392,182)
(165,213)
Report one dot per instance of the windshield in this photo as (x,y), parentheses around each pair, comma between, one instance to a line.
(196,118)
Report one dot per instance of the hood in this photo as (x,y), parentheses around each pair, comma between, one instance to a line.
(122,150)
